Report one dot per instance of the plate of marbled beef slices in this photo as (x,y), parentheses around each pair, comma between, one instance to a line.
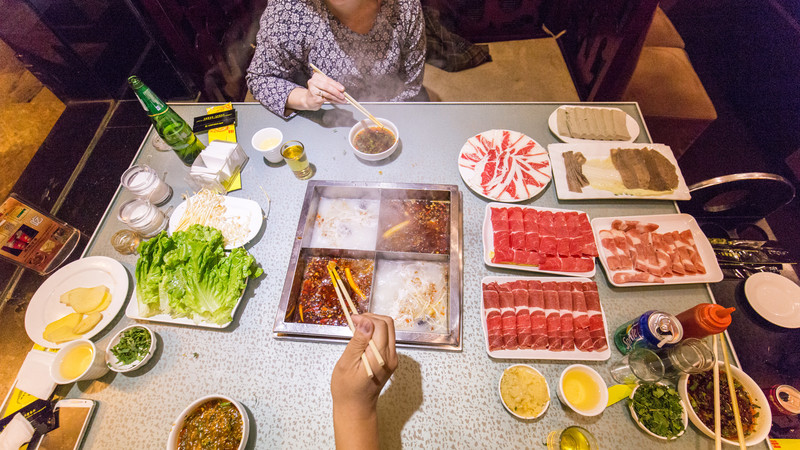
(553,318)
(618,170)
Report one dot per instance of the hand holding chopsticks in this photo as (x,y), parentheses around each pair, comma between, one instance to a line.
(342,294)
(351,100)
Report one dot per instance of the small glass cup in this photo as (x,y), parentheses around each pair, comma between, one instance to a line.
(144,182)
(687,356)
(295,155)
(640,364)
(571,438)
(143,217)
(125,242)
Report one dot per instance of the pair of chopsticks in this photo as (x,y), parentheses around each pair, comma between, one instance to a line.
(351,100)
(342,294)
(734,400)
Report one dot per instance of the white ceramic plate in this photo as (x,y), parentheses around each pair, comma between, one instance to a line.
(574,355)
(518,152)
(602,150)
(488,244)
(775,298)
(552,121)
(763,421)
(249,210)
(45,306)
(665,222)
(132,311)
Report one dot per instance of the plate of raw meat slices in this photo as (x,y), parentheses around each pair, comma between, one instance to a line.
(543,318)
(653,250)
(547,240)
(504,165)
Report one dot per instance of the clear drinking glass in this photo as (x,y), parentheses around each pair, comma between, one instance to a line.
(143,217)
(295,155)
(640,364)
(144,182)
(125,241)
(569,438)
(688,356)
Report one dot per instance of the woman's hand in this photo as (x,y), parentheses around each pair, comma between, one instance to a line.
(355,396)
(321,89)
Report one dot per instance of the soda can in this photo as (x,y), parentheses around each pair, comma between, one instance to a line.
(653,330)
(784,400)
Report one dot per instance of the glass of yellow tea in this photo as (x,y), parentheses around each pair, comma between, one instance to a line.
(295,155)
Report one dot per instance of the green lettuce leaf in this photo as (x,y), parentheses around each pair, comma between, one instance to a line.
(189,275)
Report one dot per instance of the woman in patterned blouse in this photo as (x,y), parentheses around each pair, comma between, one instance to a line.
(373,49)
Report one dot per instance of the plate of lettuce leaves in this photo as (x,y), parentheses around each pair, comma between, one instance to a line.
(188,278)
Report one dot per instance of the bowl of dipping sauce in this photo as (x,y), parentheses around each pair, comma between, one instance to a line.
(131,348)
(583,390)
(76,361)
(268,142)
(214,418)
(524,391)
(373,143)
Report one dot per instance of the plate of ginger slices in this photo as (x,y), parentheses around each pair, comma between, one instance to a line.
(77,301)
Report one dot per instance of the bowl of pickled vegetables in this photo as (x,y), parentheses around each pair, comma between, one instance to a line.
(372,142)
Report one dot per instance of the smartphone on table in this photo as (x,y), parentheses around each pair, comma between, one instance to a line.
(74,417)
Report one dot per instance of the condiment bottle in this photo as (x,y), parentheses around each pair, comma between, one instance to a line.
(704,320)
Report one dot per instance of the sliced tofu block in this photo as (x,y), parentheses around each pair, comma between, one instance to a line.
(561,122)
(608,125)
(621,125)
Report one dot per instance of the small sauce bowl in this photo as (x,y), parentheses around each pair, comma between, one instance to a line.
(366,123)
(597,383)
(114,364)
(510,409)
(177,425)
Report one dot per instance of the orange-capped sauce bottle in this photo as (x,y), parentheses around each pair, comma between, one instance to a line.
(704,320)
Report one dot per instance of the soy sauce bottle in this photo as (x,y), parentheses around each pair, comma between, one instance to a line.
(168,124)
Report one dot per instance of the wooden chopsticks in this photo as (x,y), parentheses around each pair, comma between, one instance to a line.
(343,295)
(734,400)
(352,100)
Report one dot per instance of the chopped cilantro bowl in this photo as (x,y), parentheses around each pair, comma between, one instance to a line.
(658,409)
(130,348)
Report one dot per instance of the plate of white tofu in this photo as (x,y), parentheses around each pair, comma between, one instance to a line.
(574,124)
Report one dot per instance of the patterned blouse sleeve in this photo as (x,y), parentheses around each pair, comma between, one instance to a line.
(275,60)
(413,51)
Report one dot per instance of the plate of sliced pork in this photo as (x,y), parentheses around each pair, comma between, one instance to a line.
(653,250)
(547,240)
(543,318)
(504,165)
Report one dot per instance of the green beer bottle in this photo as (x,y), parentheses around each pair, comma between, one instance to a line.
(169,125)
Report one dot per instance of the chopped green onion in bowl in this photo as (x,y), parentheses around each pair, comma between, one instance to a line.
(130,348)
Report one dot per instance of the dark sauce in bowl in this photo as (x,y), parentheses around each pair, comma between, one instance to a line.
(374,140)
(216,424)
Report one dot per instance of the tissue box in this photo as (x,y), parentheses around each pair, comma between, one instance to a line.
(217,166)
